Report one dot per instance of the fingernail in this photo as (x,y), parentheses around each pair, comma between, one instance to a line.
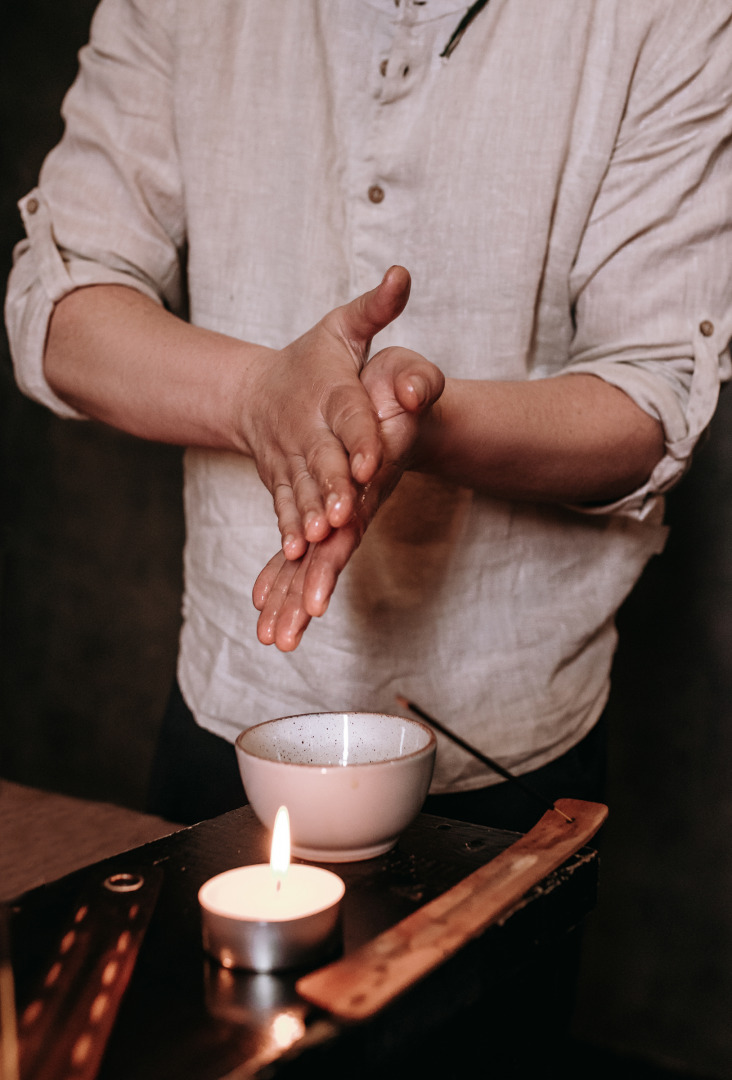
(333,501)
(319,603)
(357,463)
(420,388)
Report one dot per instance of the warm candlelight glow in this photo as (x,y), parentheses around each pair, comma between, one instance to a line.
(272,916)
(286,1029)
(280,853)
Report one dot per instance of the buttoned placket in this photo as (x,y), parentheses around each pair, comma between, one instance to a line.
(408,58)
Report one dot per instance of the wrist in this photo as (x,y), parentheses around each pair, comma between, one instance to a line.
(427,452)
(245,398)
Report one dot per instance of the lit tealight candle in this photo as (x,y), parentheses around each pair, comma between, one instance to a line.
(271,916)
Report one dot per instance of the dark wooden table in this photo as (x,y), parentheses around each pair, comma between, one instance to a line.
(506,996)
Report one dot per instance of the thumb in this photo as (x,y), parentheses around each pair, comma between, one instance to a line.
(418,383)
(363,317)
(401,380)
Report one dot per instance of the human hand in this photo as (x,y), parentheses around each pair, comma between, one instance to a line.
(403,387)
(310,424)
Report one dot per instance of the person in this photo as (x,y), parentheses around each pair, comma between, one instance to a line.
(458,518)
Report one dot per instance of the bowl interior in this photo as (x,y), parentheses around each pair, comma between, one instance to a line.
(336,739)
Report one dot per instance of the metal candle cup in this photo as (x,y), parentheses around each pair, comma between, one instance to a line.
(248,924)
(274,916)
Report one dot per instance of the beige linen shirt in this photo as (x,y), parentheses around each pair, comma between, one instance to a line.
(559,188)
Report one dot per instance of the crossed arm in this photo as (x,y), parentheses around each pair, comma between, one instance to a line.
(300,412)
(331,434)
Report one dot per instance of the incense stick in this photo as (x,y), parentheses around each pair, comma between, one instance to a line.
(526,788)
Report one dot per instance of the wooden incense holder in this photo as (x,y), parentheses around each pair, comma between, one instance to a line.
(359,984)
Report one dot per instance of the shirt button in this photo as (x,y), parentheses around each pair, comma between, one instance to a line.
(376,193)
(32,206)
(706,328)
(383,66)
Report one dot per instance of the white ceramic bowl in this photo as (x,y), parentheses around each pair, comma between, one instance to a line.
(351,782)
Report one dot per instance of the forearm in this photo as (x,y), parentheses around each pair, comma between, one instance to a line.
(117,356)
(301,412)
(573,438)
(570,439)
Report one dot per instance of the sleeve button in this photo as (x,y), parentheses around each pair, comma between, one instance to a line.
(706,328)
(376,193)
(32,206)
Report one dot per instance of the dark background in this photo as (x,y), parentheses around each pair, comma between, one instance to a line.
(90,570)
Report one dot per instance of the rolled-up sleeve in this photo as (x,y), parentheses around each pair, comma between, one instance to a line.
(108,208)
(651,287)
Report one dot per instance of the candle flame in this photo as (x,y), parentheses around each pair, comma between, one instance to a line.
(280,855)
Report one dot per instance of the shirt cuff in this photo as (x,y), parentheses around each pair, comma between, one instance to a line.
(684,421)
(42,276)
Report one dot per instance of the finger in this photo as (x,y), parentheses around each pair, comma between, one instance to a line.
(351,417)
(417,389)
(289,619)
(277,594)
(306,503)
(303,515)
(347,410)
(363,317)
(289,521)
(324,564)
(326,482)
(402,378)
(266,579)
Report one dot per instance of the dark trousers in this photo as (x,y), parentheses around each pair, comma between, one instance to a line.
(195,776)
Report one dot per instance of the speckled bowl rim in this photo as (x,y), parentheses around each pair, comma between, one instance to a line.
(423,750)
